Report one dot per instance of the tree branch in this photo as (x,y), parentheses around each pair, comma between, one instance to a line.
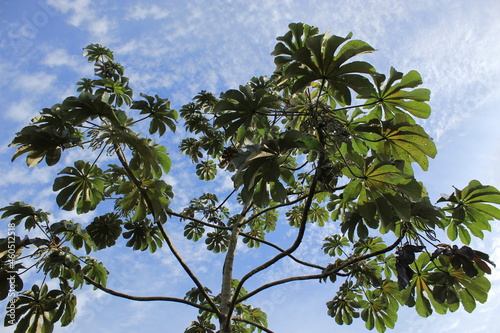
(263,241)
(145,298)
(307,114)
(226,199)
(250,236)
(325,274)
(287,252)
(194,219)
(187,269)
(171,246)
(265,329)
(275,207)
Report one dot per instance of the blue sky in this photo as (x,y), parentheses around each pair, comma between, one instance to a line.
(176,49)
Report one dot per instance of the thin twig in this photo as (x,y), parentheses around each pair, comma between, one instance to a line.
(226,199)
(211,225)
(275,207)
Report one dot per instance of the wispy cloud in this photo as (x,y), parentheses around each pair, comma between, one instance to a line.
(40,82)
(21,111)
(84,14)
(60,57)
(144,11)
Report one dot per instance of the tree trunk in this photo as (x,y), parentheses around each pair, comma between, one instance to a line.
(227,276)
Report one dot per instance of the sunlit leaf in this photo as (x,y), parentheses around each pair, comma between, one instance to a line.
(80,187)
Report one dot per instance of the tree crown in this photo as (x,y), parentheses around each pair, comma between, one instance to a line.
(326,139)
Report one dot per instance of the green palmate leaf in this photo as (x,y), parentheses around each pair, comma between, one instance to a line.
(105,230)
(381,188)
(36,308)
(395,99)
(344,306)
(201,326)
(143,235)
(378,313)
(262,166)
(40,143)
(96,271)
(470,210)
(206,170)
(291,42)
(401,141)
(192,148)
(255,315)
(90,106)
(369,244)
(97,52)
(114,90)
(51,132)
(147,156)
(318,58)
(57,119)
(73,232)
(194,231)
(248,110)
(21,211)
(218,241)
(80,187)
(159,111)
(86,85)
(136,199)
(213,143)
(250,242)
(334,245)
(152,159)
(318,214)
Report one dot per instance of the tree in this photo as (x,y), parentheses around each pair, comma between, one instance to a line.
(325,140)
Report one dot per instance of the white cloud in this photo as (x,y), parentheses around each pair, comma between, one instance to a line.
(79,9)
(60,57)
(22,175)
(37,83)
(455,55)
(101,26)
(83,13)
(143,11)
(131,46)
(21,111)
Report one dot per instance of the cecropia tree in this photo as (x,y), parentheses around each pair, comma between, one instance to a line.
(325,140)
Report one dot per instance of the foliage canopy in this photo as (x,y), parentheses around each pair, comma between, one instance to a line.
(326,139)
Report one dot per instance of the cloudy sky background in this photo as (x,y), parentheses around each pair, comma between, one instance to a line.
(176,49)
